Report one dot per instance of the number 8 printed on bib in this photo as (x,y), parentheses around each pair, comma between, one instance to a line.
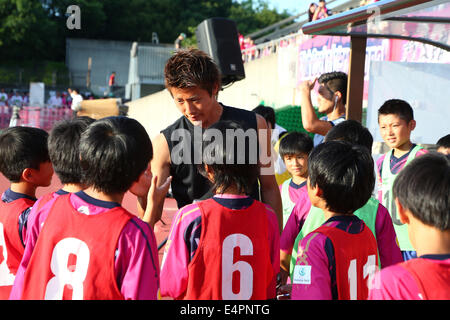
(6,277)
(69,265)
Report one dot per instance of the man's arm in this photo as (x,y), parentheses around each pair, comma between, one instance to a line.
(310,121)
(270,192)
(160,166)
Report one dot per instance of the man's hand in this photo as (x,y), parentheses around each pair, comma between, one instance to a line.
(284,292)
(155,201)
(284,275)
(307,85)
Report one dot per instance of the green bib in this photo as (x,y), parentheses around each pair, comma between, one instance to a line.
(316,218)
(288,205)
(387,180)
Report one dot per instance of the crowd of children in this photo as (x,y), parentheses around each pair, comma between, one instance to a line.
(92,248)
(338,241)
(324,254)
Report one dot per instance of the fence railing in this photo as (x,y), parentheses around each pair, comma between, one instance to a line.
(287,32)
(37,117)
(270,47)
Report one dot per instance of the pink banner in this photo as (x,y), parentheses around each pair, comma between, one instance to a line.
(322,54)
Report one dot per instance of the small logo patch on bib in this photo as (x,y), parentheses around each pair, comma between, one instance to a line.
(302,275)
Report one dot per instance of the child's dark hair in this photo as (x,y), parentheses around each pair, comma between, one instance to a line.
(335,81)
(21,148)
(423,188)
(63,148)
(443,142)
(345,174)
(114,152)
(232,167)
(398,107)
(189,68)
(311,14)
(267,113)
(351,131)
(294,143)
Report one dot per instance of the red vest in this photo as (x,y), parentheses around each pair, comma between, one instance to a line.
(43,200)
(11,248)
(74,255)
(232,261)
(432,277)
(356,259)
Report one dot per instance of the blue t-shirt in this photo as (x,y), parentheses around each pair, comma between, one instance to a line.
(318,138)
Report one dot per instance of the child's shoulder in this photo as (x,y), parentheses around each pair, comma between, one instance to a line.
(351,224)
(272,216)
(394,272)
(394,282)
(187,213)
(268,207)
(422,151)
(270,211)
(312,247)
(381,158)
(136,228)
(285,184)
(303,205)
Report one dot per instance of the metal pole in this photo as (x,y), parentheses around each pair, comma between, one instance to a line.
(355,85)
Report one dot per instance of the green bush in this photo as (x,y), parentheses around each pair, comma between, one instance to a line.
(290,118)
(33,72)
(6,76)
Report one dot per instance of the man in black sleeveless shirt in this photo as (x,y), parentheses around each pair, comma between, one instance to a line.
(194,80)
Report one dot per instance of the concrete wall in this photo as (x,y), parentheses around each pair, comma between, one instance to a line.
(107,56)
(261,83)
(155,112)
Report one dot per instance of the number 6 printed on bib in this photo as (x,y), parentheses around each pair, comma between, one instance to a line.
(244,268)
(69,264)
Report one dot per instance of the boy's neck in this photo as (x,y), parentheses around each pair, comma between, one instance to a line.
(24,188)
(104,196)
(231,190)
(72,187)
(330,214)
(298,179)
(430,240)
(402,150)
(336,113)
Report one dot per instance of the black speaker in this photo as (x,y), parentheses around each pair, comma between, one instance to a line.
(218,37)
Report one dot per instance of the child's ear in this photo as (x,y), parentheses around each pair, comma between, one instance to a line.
(401,212)
(314,194)
(412,125)
(315,190)
(27,174)
(141,186)
(318,192)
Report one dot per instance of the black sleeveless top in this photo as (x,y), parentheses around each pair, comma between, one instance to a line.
(187,183)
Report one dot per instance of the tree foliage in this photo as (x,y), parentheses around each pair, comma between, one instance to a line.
(252,15)
(36,29)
